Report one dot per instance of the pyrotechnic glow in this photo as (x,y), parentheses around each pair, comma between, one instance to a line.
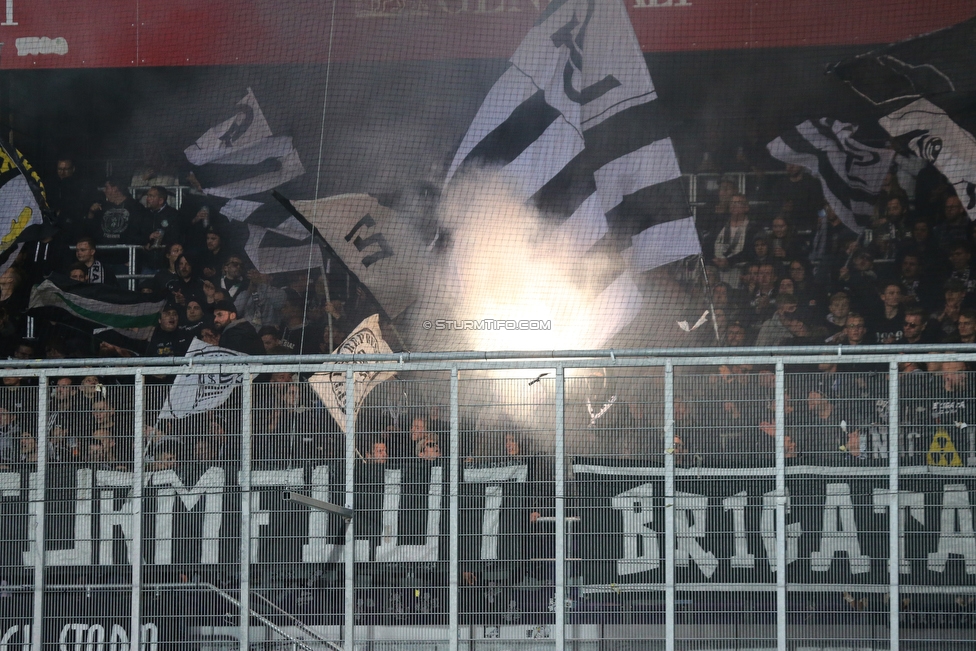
(509,265)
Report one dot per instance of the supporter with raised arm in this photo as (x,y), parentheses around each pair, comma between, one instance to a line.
(776,331)
(860,280)
(168,270)
(954,293)
(260,302)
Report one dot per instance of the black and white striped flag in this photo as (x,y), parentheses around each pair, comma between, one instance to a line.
(574,127)
(850,172)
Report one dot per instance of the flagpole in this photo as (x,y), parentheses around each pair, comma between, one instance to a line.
(708,293)
(284,201)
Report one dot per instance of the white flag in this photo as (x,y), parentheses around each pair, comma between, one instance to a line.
(850,172)
(276,250)
(366,339)
(942,142)
(246,139)
(228,139)
(384,253)
(197,393)
(573,129)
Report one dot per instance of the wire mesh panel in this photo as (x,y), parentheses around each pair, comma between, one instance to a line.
(401,477)
(937,493)
(725,427)
(838,485)
(615,528)
(191,513)
(687,490)
(506,510)
(18,500)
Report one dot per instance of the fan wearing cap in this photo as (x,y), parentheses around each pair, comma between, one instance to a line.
(167,339)
(235,334)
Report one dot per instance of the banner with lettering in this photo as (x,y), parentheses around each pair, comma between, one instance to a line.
(724,522)
(725,531)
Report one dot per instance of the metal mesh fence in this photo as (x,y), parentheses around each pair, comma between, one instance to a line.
(653,507)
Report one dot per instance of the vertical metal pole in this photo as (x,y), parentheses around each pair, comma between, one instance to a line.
(349,630)
(560,477)
(780,507)
(138,482)
(132,267)
(894,508)
(245,482)
(669,537)
(37,622)
(455,479)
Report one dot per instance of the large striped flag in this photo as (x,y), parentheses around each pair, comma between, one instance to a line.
(850,172)
(97,303)
(922,92)
(574,127)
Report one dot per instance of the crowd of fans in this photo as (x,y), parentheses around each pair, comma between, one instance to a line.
(785,270)
(192,258)
(782,269)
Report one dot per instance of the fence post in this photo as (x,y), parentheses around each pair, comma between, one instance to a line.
(560,490)
(669,533)
(349,630)
(245,483)
(780,507)
(453,596)
(138,482)
(37,622)
(894,508)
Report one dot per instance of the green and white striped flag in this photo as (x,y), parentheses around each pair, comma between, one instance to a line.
(101,304)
